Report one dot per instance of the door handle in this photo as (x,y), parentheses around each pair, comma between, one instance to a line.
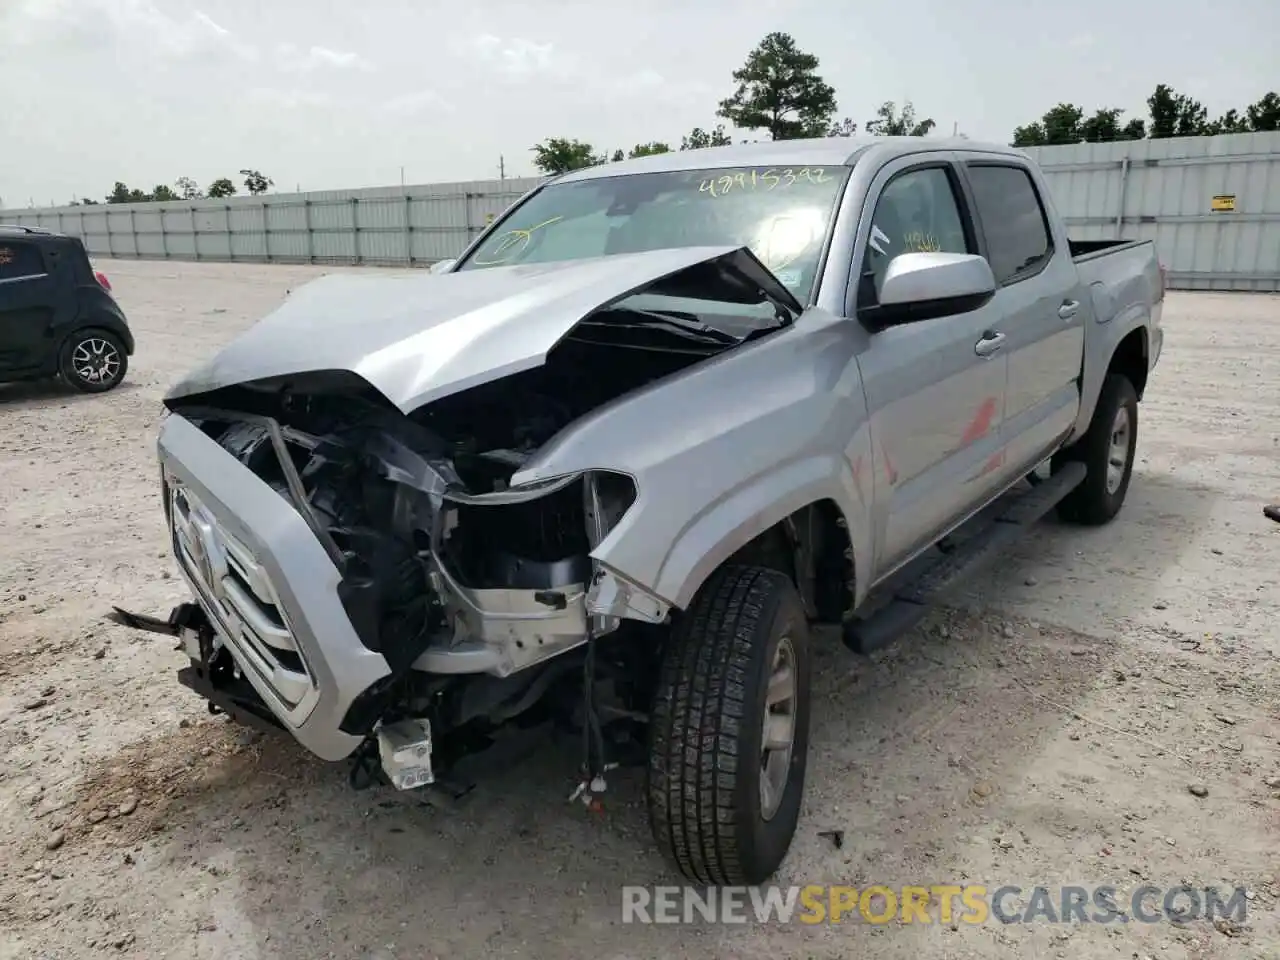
(1068,309)
(989,344)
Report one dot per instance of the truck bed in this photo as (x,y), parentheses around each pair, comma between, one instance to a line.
(1089,249)
(1123,277)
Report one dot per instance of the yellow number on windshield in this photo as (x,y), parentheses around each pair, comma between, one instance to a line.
(511,243)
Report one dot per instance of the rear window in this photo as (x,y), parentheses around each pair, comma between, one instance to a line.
(1017,231)
(19,259)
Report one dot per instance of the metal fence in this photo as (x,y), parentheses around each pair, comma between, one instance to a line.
(1212,205)
(385,225)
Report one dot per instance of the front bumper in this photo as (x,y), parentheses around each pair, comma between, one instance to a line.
(268,587)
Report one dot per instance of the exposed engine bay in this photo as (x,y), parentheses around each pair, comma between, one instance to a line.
(475,592)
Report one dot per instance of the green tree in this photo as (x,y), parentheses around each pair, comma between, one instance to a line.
(559,155)
(1062,124)
(162,192)
(616,156)
(1066,123)
(1229,122)
(779,90)
(1175,114)
(697,138)
(1135,129)
(255,182)
(222,187)
(890,123)
(119,193)
(1265,114)
(844,128)
(188,189)
(648,149)
(1103,126)
(1031,135)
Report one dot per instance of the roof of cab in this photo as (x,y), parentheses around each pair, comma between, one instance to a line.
(28,231)
(825,152)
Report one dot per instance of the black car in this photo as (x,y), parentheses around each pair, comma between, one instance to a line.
(57,316)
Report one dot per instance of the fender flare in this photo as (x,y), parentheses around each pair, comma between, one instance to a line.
(1103,340)
(763,502)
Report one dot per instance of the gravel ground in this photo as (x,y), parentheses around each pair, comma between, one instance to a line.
(1047,729)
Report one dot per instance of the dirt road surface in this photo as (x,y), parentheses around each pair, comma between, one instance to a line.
(1046,730)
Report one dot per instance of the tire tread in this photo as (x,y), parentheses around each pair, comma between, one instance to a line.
(702,701)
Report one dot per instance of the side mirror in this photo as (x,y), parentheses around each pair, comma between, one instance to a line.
(442,266)
(923,286)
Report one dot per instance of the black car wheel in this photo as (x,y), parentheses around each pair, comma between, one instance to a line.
(730,729)
(1107,450)
(93,361)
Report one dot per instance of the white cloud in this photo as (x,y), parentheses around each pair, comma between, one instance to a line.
(525,60)
(189,34)
(291,59)
(412,103)
(517,57)
(289,99)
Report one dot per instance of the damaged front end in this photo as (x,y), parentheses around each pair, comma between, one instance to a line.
(368,576)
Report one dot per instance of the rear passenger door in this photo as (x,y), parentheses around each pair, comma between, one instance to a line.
(1042,306)
(26,304)
(934,389)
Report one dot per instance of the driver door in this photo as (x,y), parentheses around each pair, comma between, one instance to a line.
(935,389)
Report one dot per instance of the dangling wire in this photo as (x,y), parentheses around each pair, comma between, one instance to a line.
(594,764)
(592,731)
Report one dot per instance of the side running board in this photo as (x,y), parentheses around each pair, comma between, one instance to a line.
(912,602)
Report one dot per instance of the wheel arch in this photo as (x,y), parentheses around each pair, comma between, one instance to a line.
(796,521)
(1116,347)
(1130,359)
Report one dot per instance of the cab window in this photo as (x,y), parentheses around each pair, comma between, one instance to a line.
(1013,221)
(917,212)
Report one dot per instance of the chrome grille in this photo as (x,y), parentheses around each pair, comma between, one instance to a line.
(236,592)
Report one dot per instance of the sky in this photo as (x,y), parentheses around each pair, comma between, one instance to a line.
(320,94)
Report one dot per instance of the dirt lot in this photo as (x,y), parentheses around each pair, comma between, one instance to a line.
(1047,730)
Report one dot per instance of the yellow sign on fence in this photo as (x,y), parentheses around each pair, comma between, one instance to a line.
(1224,203)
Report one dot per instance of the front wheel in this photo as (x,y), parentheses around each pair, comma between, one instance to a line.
(93,361)
(730,729)
(1107,451)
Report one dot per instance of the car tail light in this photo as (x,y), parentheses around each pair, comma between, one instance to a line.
(102,280)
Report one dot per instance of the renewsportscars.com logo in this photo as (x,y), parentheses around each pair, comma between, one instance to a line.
(937,903)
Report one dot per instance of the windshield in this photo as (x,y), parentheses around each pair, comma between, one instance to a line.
(782,214)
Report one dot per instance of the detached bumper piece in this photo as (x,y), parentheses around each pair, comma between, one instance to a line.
(185,616)
(404,750)
(236,698)
(212,672)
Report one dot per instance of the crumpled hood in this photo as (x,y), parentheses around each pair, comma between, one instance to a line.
(418,337)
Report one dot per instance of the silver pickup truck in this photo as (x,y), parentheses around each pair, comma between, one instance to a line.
(605,472)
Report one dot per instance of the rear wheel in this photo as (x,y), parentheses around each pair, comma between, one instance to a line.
(730,729)
(93,361)
(1107,451)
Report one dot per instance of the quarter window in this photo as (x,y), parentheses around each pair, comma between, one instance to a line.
(1013,221)
(917,212)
